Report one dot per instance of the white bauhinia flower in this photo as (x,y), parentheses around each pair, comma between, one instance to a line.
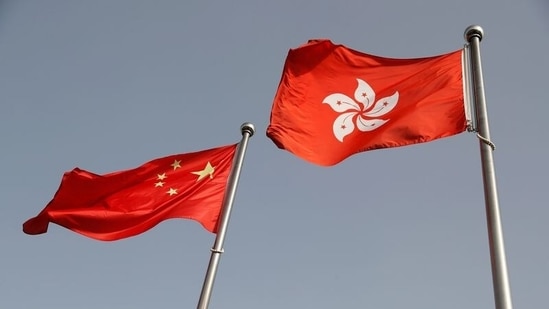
(362,110)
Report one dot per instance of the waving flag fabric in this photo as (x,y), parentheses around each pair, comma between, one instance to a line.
(333,102)
(130,202)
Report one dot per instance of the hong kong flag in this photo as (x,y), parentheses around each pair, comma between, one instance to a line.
(333,102)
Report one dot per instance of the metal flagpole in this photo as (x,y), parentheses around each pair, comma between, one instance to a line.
(502,293)
(247,130)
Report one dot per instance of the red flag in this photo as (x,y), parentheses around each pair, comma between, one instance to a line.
(333,102)
(127,203)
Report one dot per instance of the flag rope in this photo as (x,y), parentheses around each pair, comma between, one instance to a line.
(486,141)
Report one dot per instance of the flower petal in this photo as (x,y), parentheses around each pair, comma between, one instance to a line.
(365,125)
(364,93)
(340,102)
(343,125)
(383,106)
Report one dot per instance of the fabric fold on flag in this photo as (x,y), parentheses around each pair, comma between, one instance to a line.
(333,102)
(126,203)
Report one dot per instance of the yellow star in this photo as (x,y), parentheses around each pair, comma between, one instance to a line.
(161,176)
(208,170)
(159,184)
(176,164)
(172,191)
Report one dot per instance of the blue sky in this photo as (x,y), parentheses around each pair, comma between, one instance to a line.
(108,85)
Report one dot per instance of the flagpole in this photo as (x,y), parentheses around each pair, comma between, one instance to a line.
(502,293)
(247,129)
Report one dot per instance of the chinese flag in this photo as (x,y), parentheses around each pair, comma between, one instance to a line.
(126,203)
(333,102)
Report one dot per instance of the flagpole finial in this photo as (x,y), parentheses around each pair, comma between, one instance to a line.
(473,31)
(247,127)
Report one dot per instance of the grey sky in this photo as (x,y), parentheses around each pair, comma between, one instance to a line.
(107,85)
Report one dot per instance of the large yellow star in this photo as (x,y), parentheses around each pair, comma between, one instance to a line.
(208,170)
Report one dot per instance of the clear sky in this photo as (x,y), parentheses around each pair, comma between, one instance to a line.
(107,85)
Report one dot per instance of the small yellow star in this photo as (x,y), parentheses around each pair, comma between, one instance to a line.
(208,170)
(159,184)
(176,164)
(161,176)
(172,191)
